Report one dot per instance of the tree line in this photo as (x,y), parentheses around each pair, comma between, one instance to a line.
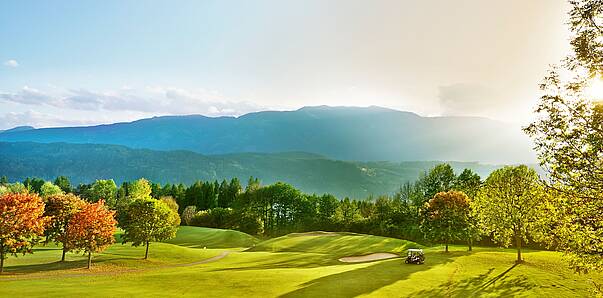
(38,212)
(440,207)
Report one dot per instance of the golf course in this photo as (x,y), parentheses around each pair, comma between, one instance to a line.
(217,263)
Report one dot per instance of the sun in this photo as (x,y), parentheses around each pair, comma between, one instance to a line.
(595,90)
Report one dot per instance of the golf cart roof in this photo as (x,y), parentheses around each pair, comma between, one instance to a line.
(415,249)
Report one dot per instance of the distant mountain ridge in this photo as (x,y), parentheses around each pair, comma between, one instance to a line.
(312,173)
(343,133)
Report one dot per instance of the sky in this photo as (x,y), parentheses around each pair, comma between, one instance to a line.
(68,63)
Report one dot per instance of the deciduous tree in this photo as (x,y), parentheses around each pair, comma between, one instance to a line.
(149,220)
(22,224)
(447,217)
(508,205)
(48,189)
(60,208)
(91,229)
(568,134)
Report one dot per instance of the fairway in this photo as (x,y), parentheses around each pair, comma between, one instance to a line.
(296,265)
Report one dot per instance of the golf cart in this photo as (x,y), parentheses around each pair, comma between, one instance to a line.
(415,256)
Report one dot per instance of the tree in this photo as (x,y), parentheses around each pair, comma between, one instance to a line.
(568,134)
(508,205)
(139,189)
(61,209)
(104,190)
(440,178)
(149,220)
(34,184)
(447,216)
(91,229)
(48,189)
(22,223)
(64,184)
(170,202)
(188,214)
(470,183)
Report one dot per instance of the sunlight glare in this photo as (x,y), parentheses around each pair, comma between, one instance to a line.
(595,90)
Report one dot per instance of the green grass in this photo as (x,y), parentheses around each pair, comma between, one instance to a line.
(195,237)
(294,266)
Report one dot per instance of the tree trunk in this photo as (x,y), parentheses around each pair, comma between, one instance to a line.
(146,253)
(446,246)
(89,259)
(63,257)
(470,244)
(1,259)
(518,245)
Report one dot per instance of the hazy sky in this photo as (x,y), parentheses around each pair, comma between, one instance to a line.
(85,62)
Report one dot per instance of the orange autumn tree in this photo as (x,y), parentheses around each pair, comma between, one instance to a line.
(22,224)
(91,229)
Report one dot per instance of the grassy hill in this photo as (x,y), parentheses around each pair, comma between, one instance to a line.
(334,244)
(297,265)
(84,163)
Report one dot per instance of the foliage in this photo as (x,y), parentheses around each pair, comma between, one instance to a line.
(61,209)
(170,202)
(568,134)
(48,189)
(149,220)
(223,218)
(188,214)
(447,216)
(508,205)
(103,190)
(440,178)
(22,223)
(64,184)
(91,229)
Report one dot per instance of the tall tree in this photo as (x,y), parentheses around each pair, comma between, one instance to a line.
(63,183)
(569,139)
(22,223)
(104,190)
(149,220)
(447,215)
(61,208)
(470,183)
(91,229)
(440,178)
(508,205)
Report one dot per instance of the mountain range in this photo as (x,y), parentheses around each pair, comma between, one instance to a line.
(340,133)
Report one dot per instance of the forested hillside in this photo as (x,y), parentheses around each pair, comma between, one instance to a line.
(342,133)
(84,163)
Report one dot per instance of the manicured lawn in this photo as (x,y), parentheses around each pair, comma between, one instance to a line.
(296,265)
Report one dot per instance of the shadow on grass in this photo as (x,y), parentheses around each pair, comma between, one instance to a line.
(500,285)
(366,279)
(32,268)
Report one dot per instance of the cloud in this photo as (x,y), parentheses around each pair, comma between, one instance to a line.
(154,100)
(11,63)
(471,100)
(27,95)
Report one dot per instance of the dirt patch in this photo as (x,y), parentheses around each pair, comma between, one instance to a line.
(369,258)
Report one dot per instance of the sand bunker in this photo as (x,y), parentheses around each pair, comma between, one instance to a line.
(368,258)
